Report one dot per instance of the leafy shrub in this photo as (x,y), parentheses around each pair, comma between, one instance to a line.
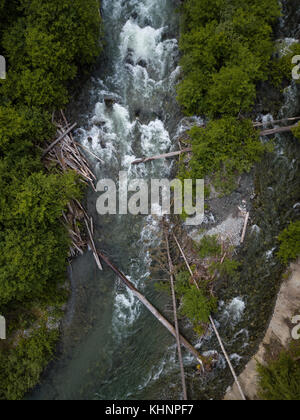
(22,365)
(282,67)
(227,47)
(209,246)
(47,44)
(290,243)
(280,379)
(226,148)
(296,131)
(196,306)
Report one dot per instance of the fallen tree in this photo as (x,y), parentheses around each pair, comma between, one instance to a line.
(171,268)
(190,149)
(164,156)
(212,323)
(151,308)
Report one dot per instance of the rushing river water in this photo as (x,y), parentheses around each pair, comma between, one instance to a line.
(111,347)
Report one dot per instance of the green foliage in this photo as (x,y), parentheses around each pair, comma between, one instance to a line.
(290,243)
(47,44)
(226,50)
(229,268)
(296,131)
(22,365)
(231,91)
(20,129)
(196,306)
(227,47)
(282,67)
(32,264)
(183,282)
(209,246)
(226,148)
(280,379)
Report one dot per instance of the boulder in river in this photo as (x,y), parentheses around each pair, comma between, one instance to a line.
(142,63)
(129,57)
(109,100)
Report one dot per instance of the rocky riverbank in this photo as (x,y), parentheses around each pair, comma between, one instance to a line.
(278,333)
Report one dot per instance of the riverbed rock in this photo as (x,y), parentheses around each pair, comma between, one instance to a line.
(142,63)
(109,101)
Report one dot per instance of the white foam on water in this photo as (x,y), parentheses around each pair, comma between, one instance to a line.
(144,68)
(255,229)
(235,358)
(143,42)
(234,311)
(126,310)
(220,359)
(243,332)
(110,133)
(269,254)
(283,45)
(155,138)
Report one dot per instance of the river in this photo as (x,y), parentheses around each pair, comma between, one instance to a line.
(111,347)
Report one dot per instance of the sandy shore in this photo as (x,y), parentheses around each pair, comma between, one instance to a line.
(287,306)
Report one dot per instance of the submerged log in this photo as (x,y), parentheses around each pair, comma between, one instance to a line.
(151,308)
(89,151)
(92,244)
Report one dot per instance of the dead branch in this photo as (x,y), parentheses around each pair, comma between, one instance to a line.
(245,227)
(175,318)
(151,308)
(58,140)
(164,156)
(217,334)
(93,247)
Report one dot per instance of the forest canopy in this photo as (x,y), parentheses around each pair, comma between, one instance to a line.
(226,46)
(46,44)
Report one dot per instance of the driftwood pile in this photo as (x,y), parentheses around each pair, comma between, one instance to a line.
(65,154)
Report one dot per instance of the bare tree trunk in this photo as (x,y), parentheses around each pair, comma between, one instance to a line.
(164,156)
(59,139)
(189,149)
(227,359)
(151,308)
(214,328)
(257,124)
(245,227)
(176,319)
(277,130)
